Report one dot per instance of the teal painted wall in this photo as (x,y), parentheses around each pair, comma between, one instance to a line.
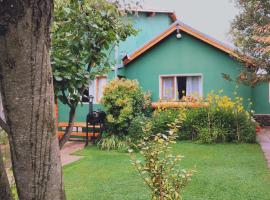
(81,112)
(186,56)
(260,98)
(148,27)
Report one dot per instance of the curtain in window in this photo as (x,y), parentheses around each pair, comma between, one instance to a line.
(194,86)
(102,81)
(168,88)
(92,89)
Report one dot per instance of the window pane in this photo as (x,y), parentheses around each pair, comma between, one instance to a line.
(168,88)
(92,89)
(194,86)
(102,81)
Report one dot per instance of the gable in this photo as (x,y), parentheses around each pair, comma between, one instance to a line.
(187,56)
(147,26)
(179,27)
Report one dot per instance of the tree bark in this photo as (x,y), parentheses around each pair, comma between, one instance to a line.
(69,129)
(26,87)
(5,191)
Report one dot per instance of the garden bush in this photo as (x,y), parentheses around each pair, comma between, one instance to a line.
(159,168)
(138,129)
(124,100)
(112,142)
(223,120)
(161,119)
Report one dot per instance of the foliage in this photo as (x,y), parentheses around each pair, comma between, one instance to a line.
(159,169)
(162,118)
(224,120)
(138,129)
(251,32)
(112,142)
(84,32)
(123,100)
(215,134)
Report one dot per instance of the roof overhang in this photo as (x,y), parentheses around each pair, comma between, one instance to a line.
(177,25)
(152,12)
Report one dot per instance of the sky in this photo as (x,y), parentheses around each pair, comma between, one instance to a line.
(212,17)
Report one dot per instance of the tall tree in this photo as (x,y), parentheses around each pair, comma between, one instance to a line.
(26,86)
(84,34)
(251,33)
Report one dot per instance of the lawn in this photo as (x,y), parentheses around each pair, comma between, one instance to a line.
(224,172)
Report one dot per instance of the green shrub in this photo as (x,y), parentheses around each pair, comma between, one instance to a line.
(195,118)
(160,169)
(224,120)
(162,118)
(123,100)
(138,129)
(213,135)
(112,142)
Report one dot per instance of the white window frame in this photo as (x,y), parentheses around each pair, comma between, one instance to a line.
(175,82)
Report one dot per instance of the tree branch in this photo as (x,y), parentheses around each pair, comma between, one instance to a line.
(4,126)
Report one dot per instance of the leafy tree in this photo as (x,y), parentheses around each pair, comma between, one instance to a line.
(158,167)
(84,34)
(26,89)
(251,32)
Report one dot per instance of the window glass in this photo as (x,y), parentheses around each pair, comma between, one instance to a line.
(101,82)
(168,88)
(193,86)
(92,89)
(181,86)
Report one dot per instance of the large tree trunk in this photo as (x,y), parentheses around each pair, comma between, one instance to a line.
(69,129)
(5,192)
(27,92)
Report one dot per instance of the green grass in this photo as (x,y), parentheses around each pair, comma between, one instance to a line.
(224,172)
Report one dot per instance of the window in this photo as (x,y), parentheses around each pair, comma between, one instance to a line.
(95,89)
(100,84)
(168,88)
(178,86)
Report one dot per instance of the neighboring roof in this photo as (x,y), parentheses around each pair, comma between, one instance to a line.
(178,25)
(170,13)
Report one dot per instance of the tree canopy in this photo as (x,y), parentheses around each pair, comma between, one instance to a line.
(84,34)
(251,33)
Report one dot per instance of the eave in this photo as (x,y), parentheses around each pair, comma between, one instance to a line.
(187,29)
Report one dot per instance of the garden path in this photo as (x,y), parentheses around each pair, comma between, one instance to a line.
(264,140)
(69,148)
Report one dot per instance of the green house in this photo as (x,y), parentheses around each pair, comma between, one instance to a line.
(170,59)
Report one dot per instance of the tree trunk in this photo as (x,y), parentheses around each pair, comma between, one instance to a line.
(69,129)
(5,192)
(27,92)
